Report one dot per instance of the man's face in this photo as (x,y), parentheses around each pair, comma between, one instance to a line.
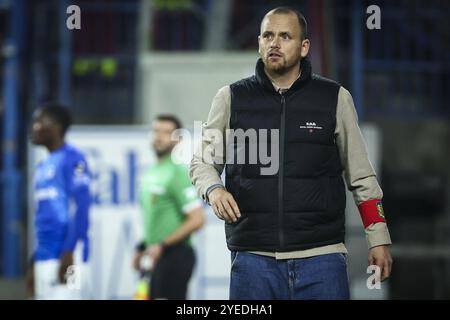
(162,132)
(280,44)
(43,129)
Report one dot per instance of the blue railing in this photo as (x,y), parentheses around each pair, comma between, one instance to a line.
(10,174)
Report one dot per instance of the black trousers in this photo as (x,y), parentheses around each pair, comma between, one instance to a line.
(172,272)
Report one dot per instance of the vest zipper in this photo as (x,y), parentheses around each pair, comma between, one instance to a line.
(281,172)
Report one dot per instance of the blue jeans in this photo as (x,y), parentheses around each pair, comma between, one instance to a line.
(256,277)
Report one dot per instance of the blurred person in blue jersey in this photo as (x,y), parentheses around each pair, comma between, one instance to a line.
(62,201)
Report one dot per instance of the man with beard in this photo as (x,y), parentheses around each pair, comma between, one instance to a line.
(286,230)
(172,212)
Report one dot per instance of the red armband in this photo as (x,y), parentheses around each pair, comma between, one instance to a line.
(371,211)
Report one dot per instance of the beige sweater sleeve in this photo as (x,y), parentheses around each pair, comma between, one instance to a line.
(209,158)
(358,171)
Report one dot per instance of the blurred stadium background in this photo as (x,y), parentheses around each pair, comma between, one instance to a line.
(133,59)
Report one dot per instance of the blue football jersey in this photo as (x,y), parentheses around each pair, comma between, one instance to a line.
(62,200)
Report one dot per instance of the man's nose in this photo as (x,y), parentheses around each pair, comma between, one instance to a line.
(275,43)
(36,126)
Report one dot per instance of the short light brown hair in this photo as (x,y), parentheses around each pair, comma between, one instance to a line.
(300,17)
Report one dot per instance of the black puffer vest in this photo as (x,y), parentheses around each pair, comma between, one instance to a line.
(302,205)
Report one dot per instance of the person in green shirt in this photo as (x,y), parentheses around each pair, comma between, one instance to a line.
(172,213)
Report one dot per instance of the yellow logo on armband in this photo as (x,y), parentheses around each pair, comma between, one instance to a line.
(380,210)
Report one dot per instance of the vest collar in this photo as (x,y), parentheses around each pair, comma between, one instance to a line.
(263,79)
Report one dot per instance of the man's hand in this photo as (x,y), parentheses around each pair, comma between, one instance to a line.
(66,262)
(137,261)
(155,251)
(224,205)
(381,257)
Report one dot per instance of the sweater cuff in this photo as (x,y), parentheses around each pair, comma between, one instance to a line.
(211,188)
(377,234)
(371,211)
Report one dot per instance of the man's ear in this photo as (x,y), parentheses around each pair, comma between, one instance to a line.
(304,49)
(259,46)
(58,130)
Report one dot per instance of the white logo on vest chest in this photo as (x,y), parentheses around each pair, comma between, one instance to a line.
(311,126)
